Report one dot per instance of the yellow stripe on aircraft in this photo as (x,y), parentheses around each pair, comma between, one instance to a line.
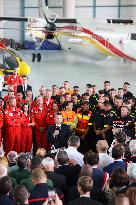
(92,41)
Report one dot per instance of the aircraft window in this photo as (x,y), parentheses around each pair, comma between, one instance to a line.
(9,60)
(16,54)
(1,58)
(133,36)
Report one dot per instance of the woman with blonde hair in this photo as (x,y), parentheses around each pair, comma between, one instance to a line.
(41,152)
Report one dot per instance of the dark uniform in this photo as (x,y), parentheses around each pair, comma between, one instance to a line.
(126,122)
(103,120)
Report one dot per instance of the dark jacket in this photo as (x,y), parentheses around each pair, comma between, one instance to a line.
(39,194)
(58,180)
(114,165)
(71,173)
(20,89)
(61,139)
(5,200)
(99,178)
(84,201)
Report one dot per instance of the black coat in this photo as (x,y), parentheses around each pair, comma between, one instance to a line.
(61,139)
(84,201)
(5,200)
(58,180)
(70,172)
(20,89)
(39,194)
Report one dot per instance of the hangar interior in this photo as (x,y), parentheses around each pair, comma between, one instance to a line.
(57,66)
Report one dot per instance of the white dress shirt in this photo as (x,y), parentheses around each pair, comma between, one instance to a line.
(75,155)
(104,160)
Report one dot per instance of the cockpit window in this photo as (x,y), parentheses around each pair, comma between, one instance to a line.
(7,60)
(133,36)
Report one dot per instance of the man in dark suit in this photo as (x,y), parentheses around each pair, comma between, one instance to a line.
(69,168)
(85,184)
(58,180)
(58,134)
(24,87)
(117,154)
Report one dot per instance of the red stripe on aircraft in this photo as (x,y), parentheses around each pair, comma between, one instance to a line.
(108,45)
(101,40)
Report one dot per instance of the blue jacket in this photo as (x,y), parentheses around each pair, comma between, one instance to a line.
(114,165)
(5,200)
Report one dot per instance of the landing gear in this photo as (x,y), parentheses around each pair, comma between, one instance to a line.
(36,55)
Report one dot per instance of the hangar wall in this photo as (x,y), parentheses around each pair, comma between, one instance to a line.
(85,9)
(13,8)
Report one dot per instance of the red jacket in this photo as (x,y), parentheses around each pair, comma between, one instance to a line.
(39,116)
(13,118)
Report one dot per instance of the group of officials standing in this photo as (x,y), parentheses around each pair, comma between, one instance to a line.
(52,117)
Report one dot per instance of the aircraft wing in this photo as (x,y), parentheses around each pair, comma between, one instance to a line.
(6,18)
(25,19)
(65,20)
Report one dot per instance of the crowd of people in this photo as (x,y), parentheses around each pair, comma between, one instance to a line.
(64,147)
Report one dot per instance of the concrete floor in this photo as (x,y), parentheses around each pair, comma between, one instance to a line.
(57,66)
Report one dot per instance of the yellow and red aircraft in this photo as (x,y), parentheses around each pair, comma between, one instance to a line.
(98,40)
(9,60)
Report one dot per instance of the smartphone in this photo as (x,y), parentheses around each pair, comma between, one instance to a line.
(51,195)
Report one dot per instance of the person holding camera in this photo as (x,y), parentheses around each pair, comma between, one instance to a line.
(56,201)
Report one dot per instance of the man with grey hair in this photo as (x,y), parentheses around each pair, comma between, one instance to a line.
(104,158)
(73,154)
(132,146)
(12,158)
(131,170)
(58,180)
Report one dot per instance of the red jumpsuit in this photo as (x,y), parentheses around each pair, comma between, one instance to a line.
(6,99)
(50,118)
(20,103)
(14,80)
(26,135)
(47,103)
(13,121)
(40,121)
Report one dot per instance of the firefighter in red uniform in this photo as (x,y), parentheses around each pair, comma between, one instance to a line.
(13,121)
(39,113)
(1,118)
(48,100)
(14,80)
(10,94)
(83,126)
(50,115)
(20,100)
(28,123)
(29,99)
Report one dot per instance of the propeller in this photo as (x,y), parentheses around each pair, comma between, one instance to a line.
(50,25)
